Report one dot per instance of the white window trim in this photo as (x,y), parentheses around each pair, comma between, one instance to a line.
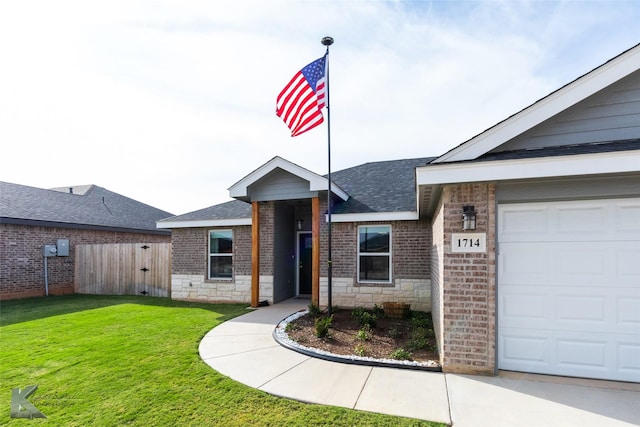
(387,254)
(209,255)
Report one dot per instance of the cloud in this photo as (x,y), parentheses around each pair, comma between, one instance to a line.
(171,103)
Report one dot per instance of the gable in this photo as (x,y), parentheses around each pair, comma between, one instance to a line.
(280,171)
(279,184)
(612,114)
(590,84)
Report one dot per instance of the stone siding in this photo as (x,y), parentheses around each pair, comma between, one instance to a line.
(416,292)
(194,287)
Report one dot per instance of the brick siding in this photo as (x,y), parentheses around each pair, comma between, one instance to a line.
(466,288)
(22,263)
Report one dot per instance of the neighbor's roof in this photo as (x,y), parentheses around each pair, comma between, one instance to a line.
(378,190)
(89,206)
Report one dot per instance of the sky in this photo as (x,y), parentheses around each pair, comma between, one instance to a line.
(172,102)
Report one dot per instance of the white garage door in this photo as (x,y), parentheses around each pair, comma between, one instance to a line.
(569,288)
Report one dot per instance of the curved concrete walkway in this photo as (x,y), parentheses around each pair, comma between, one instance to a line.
(244,349)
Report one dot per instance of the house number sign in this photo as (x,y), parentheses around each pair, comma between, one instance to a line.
(469,242)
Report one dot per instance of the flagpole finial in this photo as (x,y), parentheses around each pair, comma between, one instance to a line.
(327,41)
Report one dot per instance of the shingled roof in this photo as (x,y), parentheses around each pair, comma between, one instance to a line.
(377,187)
(388,186)
(87,206)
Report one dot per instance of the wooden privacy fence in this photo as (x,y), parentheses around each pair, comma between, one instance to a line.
(123,269)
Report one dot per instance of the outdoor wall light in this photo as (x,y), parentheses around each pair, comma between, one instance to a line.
(299,224)
(468,218)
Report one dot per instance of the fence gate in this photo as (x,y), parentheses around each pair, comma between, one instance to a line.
(123,269)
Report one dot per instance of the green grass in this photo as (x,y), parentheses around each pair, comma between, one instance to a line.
(107,361)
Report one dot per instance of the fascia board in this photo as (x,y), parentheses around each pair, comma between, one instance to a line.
(546,108)
(204,223)
(544,167)
(373,216)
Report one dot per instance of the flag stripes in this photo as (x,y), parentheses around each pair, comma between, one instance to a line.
(301,101)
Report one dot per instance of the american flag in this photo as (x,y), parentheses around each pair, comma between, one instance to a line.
(301,101)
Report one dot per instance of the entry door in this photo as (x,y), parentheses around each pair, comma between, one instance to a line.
(304,263)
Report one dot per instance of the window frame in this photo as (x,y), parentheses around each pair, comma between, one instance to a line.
(388,254)
(210,255)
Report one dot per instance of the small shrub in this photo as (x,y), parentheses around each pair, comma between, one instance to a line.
(365,318)
(363,335)
(394,333)
(322,326)
(378,311)
(291,327)
(314,310)
(418,344)
(360,350)
(420,319)
(401,354)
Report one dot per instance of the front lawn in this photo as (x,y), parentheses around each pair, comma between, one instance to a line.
(122,360)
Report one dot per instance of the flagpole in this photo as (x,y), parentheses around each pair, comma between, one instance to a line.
(328,41)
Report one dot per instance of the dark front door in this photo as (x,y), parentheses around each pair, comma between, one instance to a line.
(304,263)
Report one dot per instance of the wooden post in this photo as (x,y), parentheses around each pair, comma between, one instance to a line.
(255,254)
(315,251)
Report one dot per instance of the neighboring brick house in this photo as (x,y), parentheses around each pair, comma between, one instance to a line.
(524,241)
(31,218)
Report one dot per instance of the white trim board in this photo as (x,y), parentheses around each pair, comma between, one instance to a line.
(542,167)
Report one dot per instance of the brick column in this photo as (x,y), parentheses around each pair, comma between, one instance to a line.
(468,284)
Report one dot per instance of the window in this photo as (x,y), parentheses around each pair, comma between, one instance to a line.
(220,254)
(374,254)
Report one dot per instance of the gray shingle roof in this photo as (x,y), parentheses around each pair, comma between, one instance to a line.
(89,206)
(563,150)
(388,186)
(228,210)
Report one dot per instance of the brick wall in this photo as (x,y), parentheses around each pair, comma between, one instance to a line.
(22,263)
(267,211)
(467,284)
(189,279)
(411,247)
(411,265)
(190,249)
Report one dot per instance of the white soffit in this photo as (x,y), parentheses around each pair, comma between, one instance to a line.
(316,182)
(500,170)
(373,216)
(585,86)
(204,223)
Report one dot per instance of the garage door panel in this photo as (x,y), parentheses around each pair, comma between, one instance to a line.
(607,310)
(569,288)
(517,349)
(627,213)
(590,355)
(628,309)
(629,359)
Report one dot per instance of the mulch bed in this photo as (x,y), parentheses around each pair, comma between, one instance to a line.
(388,336)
